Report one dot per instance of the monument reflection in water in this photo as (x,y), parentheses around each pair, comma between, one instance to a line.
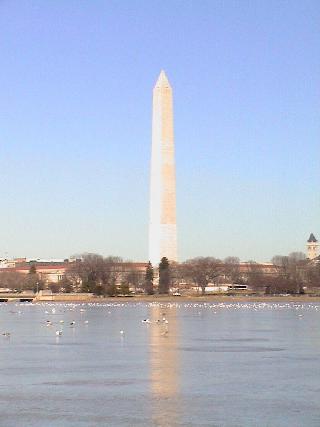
(164,366)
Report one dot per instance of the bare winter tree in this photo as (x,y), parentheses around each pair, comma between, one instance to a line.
(232,269)
(134,278)
(296,257)
(291,273)
(113,273)
(176,274)
(256,277)
(12,280)
(95,273)
(202,271)
(280,260)
(312,274)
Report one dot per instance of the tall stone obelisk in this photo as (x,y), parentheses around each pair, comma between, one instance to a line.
(162,226)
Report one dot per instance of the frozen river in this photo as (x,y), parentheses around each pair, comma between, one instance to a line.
(193,365)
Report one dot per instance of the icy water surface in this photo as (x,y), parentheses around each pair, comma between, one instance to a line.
(192,364)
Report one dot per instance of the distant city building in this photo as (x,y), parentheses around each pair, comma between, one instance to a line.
(6,263)
(54,271)
(162,225)
(49,271)
(312,247)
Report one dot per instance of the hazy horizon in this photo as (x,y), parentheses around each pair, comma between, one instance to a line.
(75,125)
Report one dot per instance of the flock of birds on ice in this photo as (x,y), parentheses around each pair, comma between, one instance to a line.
(51,309)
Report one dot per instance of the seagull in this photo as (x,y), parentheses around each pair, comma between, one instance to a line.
(6,334)
(72,323)
(121,332)
(58,333)
(86,322)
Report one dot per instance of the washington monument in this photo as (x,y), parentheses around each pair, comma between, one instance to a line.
(162,226)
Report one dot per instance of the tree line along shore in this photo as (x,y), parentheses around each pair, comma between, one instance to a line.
(200,276)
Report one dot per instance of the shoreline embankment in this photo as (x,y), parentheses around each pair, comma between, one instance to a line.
(181,299)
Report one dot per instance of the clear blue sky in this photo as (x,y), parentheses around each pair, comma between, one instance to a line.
(76,82)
